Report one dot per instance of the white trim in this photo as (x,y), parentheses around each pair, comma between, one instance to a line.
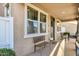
(31,20)
(25,25)
(34,35)
(38,22)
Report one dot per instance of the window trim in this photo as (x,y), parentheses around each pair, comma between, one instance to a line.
(25,25)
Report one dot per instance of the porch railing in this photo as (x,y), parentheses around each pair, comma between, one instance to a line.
(59,49)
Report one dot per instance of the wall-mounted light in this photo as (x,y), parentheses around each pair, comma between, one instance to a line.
(78,9)
(63,12)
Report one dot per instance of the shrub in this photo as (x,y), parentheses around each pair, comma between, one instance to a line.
(66,33)
(6,52)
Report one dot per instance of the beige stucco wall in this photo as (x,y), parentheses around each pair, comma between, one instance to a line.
(22,46)
(1,9)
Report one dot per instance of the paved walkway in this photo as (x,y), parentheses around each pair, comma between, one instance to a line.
(70,47)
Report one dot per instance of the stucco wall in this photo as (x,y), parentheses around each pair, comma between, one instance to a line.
(1,9)
(22,46)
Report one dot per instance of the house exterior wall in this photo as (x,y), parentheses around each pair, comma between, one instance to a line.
(22,46)
(1,9)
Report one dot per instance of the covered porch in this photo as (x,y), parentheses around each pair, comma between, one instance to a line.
(57,50)
(40,30)
(62,13)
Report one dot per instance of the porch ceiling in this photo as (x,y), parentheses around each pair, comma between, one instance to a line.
(63,11)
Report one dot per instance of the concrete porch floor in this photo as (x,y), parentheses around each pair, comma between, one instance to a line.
(44,51)
(70,47)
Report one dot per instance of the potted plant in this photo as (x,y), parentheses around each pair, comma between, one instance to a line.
(66,34)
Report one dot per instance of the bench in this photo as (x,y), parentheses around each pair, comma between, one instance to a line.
(39,41)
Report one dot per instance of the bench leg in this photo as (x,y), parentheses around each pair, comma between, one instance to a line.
(35,48)
(44,45)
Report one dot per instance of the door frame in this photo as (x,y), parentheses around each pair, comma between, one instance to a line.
(53,20)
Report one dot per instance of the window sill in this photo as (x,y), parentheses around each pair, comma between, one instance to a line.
(34,35)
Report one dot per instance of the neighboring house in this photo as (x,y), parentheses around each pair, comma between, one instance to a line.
(29,21)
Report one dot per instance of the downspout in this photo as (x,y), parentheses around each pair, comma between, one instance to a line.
(77,33)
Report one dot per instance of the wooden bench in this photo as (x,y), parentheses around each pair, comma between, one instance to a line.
(39,42)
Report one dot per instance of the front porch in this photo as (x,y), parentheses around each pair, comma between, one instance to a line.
(44,51)
(36,25)
(69,50)
(70,47)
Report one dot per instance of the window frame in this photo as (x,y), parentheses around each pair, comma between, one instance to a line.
(26,19)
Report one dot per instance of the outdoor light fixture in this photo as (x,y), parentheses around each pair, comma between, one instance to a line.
(77,16)
(63,12)
(78,9)
(78,13)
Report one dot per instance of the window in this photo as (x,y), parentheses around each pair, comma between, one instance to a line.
(32,27)
(42,28)
(35,23)
(42,23)
(32,20)
(42,17)
(32,13)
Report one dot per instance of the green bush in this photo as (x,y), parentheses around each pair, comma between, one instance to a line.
(66,33)
(6,52)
